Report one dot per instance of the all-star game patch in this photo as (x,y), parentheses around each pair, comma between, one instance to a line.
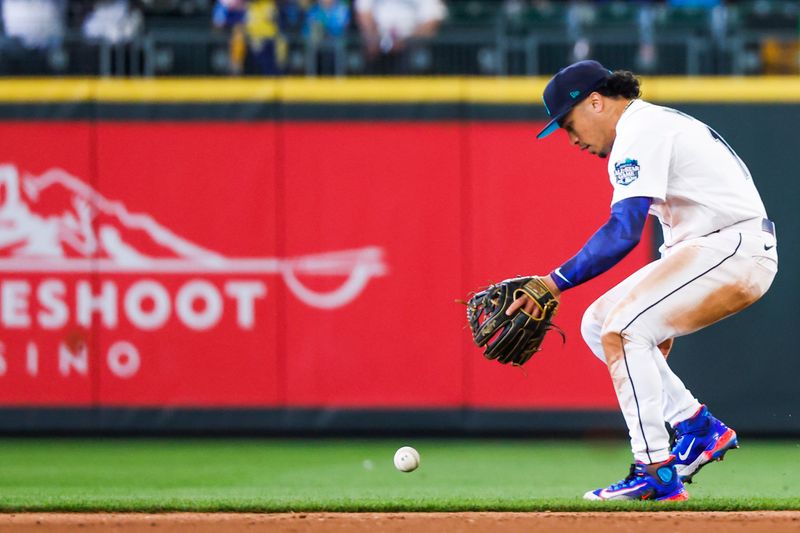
(626,172)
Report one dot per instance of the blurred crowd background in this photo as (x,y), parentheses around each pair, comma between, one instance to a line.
(395,37)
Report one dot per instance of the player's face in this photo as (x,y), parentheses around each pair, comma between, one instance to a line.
(586,127)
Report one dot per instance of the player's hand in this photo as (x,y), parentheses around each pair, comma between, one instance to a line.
(528,304)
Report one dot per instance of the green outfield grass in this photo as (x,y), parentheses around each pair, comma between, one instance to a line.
(349,475)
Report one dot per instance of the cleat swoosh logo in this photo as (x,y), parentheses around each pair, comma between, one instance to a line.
(606,494)
(683,456)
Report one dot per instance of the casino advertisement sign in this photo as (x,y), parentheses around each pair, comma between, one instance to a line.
(88,275)
(283,264)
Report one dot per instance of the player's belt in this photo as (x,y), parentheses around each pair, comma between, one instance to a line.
(768,226)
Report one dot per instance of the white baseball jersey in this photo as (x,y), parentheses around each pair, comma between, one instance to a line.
(697,182)
(699,186)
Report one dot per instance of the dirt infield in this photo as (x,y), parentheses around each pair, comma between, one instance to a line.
(666,522)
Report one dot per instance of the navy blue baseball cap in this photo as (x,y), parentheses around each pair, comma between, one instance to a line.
(570,86)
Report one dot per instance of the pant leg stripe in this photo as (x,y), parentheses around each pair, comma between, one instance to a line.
(635,399)
(622,340)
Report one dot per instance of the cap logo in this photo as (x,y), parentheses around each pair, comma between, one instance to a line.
(567,88)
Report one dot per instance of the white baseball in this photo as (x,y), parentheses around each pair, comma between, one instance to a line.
(406,459)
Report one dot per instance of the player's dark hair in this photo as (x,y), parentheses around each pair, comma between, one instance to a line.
(622,83)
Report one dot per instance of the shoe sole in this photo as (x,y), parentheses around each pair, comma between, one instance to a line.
(680,496)
(727,441)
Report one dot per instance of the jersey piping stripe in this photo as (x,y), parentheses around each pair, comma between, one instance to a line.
(622,341)
(635,398)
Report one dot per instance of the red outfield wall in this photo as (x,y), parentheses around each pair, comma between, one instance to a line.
(286,264)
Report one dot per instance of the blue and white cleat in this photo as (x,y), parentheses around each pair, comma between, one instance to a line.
(699,441)
(658,481)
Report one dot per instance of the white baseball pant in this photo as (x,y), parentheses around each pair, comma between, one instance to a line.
(696,283)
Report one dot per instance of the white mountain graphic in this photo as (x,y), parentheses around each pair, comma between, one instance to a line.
(55,222)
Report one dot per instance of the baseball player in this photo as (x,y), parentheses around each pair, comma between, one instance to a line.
(719,256)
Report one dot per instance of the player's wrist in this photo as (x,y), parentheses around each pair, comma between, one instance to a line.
(551,284)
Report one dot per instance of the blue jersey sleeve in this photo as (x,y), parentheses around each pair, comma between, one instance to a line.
(612,242)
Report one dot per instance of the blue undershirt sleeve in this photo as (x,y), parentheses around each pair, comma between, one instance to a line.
(608,246)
